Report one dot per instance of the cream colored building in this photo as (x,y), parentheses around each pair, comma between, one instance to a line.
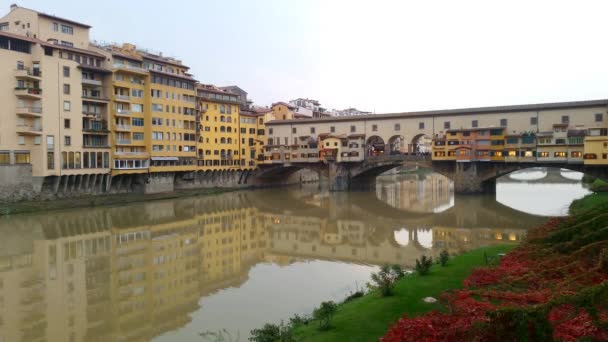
(51,81)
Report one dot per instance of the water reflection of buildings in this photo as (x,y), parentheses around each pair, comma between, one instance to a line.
(418,193)
(132,273)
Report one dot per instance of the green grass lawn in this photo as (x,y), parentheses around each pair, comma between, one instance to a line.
(367,318)
(588,202)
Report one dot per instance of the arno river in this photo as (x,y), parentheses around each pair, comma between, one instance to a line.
(169,270)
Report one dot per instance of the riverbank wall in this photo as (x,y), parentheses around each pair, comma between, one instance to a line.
(17,183)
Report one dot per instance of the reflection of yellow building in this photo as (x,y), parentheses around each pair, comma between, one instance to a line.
(107,276)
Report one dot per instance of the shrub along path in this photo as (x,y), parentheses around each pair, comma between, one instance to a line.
(367,318)
(554,286)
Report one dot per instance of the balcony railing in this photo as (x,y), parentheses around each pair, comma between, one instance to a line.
(130,67)
(122,97)
(123,141)
(123,112)
(99,97)
(91,82)
(123,127)
(123,153)
(35,129)
(28,73)
(29,111)
(28,92)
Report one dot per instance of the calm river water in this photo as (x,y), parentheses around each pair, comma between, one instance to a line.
(169,270)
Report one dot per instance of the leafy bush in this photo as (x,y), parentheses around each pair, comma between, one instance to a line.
(354,295)
(299,320)
(324,314)
(423,266)
(599,185)
(444,256)
(385,279)
(272,333)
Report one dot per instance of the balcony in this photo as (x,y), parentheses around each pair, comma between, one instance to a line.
(122,112)
(29,129)
(29,111)
(131,154)
(124,98)
(120,127)
(30,93)
(96,129)
(27,74)
(123,141)
(131,68)
(95,83)
(95,98)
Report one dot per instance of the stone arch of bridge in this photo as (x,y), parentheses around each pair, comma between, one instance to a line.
(420,143)
(375,146)
(396,144)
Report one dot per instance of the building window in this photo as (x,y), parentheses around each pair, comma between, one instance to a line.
(22,157)
(21,140)
(599,117)
(576,154)
(293,130)
(353,129)
(66,71)
(565,119)
(503,122)
(559,154)
(332,129)
(374,128)
(50,160)
(55,27)
(66,123)
(5,157)
(533,120)
(474,123)
(397,127)
(66,89)
(312,130)
(446,125)
(67,141)
(67,29)
(67,106)
(421,125)
(270,131)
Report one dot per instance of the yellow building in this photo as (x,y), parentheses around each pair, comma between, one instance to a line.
(596,147)
(219,145)
(281,111)
(252,138)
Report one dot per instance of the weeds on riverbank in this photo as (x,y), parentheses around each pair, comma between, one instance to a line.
(554,286)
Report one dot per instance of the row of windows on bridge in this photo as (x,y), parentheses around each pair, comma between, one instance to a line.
(599,117)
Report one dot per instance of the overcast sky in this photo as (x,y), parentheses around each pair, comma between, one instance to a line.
(383,56)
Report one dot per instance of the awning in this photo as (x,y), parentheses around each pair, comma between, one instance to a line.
(165,158)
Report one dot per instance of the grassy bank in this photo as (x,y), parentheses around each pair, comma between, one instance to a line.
(103,200)
(588,202)
(367,318)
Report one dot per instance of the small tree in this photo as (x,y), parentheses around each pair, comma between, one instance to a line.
(385,280)
(324,313)
(423,266)
(444,256)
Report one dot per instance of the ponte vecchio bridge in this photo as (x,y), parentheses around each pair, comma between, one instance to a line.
(350,150)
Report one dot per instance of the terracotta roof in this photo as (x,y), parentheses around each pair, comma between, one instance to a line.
(73,49)
(16,36)
(57,18)
(172,75)
(125,56)
(64,20)
(213,89)
(461,111)
(164,60)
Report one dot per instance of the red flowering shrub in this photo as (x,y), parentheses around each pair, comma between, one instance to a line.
(553,286)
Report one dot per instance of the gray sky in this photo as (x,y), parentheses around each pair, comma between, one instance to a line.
(386,56)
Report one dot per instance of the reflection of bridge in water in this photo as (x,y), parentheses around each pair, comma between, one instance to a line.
(551,176)
(137,271)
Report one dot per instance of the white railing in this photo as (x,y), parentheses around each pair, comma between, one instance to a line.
(122,97)
(91,82)
(123,127)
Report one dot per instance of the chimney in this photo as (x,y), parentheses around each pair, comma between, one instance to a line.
(13,6)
